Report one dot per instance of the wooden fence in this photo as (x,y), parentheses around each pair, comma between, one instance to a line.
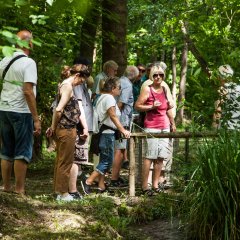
(140,135)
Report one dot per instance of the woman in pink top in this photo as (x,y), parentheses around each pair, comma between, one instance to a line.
(159,118)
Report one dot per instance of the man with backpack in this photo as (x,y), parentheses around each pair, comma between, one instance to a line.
(18,113)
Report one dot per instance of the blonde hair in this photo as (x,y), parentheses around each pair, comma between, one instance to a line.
(156,69)
(109,64)
(90,82)
(101,83)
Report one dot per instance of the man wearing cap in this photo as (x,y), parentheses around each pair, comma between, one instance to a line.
(227,108)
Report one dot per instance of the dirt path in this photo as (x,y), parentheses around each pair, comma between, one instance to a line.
(160,229)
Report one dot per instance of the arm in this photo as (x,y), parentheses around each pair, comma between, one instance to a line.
(115,120)
(217,114)
(140,103)
(168,94)
(83,121)
(31,101)
(120,105)
(66,93)
(171,119)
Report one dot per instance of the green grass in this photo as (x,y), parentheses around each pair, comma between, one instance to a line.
(106,216)
(212,197)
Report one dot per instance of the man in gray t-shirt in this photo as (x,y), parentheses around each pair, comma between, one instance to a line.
(125,104)
(18,114)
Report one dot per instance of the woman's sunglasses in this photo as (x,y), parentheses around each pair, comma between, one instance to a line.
(156,75)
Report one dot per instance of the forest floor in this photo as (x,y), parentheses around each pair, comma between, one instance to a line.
(107,216)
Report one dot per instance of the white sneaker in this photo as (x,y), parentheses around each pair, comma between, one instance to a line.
(66,198)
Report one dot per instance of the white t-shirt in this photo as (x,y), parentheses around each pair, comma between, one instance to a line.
(104,102)
(232,102)
(22,70)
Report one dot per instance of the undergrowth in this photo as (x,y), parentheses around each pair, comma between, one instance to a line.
(106,216)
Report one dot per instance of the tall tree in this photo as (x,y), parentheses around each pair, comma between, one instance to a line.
(114,30)
(89,30)
(182,84)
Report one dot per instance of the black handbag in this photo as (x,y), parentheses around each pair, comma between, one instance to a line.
(95,141)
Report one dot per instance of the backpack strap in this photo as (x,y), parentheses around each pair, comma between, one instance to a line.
(10,63)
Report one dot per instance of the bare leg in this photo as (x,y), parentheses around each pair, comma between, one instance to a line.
(73,178)
(157,167)
(92,177)
(6,167)
(101,183)
(145,172)
(20,170)
(125,156)
(117,162)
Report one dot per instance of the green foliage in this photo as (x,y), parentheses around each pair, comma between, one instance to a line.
(154,28)
(213,194)
(56,28)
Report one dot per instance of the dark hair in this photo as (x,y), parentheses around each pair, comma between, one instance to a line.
(77,68)
(81,60)
(110,83)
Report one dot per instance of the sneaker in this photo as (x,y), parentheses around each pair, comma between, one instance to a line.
(123,181)
(86,188)
(100,191)
(67,198)
(76,195)
(118,183)
(125,165)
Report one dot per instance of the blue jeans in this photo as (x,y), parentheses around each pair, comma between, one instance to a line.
(16,131)
(106,146)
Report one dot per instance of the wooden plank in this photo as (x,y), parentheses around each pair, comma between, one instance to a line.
(176,134)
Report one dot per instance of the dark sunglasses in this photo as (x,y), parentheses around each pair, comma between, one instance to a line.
(160,75)
(142,70)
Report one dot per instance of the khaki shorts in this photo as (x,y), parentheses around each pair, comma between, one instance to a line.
(158,147)
(121,144)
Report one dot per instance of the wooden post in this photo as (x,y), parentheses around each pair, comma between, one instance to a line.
(186,147)
(132,167)
(139,159)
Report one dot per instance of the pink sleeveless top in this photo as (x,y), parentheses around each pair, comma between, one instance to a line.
(157,118)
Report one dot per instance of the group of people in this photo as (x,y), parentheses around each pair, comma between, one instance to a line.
(72,118)
(116,100)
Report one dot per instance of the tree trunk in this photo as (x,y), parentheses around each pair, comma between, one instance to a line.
(114,27)
(174,74)
(182,85)
(194,50)
(88,32)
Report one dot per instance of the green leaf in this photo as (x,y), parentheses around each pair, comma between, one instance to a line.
(50,2)
(21,2)
(37,43)
(7,51)
(7,34)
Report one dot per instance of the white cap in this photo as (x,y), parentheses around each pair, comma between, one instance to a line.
(226,71)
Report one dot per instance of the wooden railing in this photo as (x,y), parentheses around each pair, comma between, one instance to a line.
(134,136)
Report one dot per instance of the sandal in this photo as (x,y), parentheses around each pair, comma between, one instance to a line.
(158,190)
(148,192)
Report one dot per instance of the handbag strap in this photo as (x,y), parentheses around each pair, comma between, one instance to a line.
(152,93)
(10,63)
